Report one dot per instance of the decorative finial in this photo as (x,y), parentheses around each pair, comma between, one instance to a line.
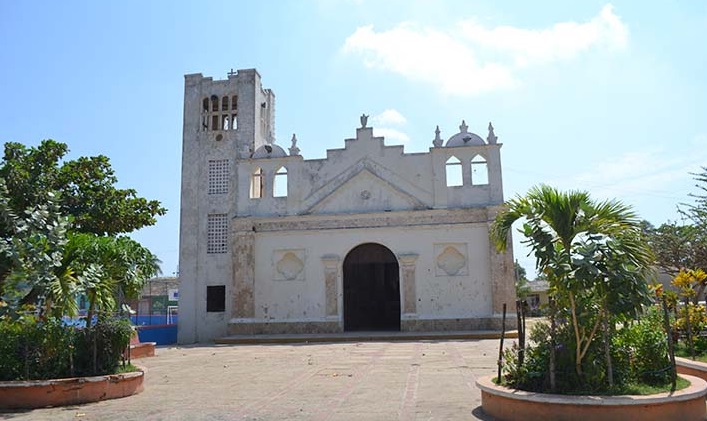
(437,142)
(463,128)
(364,121)
(492,138)
(294,150)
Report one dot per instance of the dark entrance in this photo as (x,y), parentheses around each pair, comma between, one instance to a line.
(371,289)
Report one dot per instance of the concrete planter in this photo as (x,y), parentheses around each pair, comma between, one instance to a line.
(692,368)
(510,405)
(77,390)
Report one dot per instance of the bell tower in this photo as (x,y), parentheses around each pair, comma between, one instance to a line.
(225,121)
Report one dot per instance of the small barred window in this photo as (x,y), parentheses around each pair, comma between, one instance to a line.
(218,176)
(217,234)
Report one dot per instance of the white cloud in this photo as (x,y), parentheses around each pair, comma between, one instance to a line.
(389,117)
(381,126)
(470,58)
(651,173)
(392,136)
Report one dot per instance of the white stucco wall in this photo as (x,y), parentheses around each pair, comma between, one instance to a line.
(439,296)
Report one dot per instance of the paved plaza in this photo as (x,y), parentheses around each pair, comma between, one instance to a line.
(416,380)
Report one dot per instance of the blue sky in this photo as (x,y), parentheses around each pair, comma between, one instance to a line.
(606,97)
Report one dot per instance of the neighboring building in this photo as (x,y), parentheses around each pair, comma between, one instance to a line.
(159,297)
(538,295)
(369,238)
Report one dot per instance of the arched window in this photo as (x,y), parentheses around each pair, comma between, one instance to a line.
(454,172)
(479,171)
(256,184)
(280,183)
(234,102)
(206,105)
(224,104)
(214,103)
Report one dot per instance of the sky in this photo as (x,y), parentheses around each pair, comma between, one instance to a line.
(605,97)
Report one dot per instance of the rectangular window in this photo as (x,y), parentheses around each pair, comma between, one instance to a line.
(217,234)
(218,176)
(216,298)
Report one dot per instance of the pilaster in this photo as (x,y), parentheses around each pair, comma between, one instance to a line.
(244,274)
(408,264)
(331,276)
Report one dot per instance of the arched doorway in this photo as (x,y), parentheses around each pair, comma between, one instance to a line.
(371,289)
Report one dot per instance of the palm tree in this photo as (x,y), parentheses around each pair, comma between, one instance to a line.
(585,248)
(109,268)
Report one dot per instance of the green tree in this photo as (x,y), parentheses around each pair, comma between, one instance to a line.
(522,287)
(108,269)
(677,246)
(697,212)
(85,186)
(585,248)
(30,254)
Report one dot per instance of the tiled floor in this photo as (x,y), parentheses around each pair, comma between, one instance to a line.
(416,380)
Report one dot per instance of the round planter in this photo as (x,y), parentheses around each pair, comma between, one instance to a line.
(509,405)
(76,390)
(693,368)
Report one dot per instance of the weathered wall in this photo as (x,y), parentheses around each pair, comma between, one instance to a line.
(365,192)
(439,295)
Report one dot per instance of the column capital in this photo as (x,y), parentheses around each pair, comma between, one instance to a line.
(408,259)
(330,260)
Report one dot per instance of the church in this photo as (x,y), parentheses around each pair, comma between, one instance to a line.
(369,238)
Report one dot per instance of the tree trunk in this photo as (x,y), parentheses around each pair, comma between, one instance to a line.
(91,310)
(577,337)
(607,348)
(553,332)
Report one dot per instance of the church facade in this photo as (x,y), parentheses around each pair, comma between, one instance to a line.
(369,238)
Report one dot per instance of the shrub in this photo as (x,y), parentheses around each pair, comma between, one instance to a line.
(108,338)
(641,349)
(33,349)
(638,351)
(697,316)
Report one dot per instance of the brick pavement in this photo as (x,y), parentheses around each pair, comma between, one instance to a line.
(417,380)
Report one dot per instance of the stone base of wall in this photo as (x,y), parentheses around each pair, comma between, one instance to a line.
(278,328)
(248,327)
(461,324)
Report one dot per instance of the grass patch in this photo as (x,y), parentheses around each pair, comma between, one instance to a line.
(627,389)
(645,389)
(681,350)
(127,368)
(699,357)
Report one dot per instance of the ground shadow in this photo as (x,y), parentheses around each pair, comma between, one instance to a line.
(479,414)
